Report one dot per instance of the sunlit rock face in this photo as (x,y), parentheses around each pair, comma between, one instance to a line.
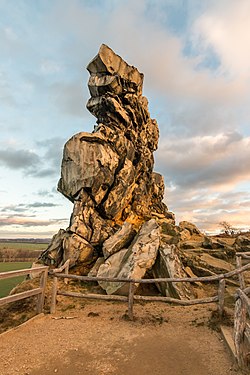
(118,213)
(120,226)
(108,174)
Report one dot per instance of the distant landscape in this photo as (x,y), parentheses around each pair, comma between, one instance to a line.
(18,254)
(25,240)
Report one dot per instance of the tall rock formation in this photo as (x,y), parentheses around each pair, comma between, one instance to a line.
(118,214)
(108,174)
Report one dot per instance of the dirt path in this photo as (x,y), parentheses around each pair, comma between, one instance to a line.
(98,341)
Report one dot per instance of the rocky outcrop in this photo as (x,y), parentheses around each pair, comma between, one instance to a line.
(108,174)
(94,270)
(167,265)
(134,262)
(120,225)
(119,240)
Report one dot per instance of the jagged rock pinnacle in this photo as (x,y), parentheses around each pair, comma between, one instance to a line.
(108,174)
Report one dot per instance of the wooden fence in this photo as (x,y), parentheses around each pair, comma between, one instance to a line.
(241,334)
(219,298)
(39,292)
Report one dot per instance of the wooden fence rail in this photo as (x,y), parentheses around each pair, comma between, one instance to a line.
(221,279)
(241,316)
(39,292)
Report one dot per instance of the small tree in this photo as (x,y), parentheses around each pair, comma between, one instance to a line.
(227,228)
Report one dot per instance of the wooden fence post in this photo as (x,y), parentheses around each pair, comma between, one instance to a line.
(40,299)
(221,295)
(241,275)
(66,271)
(53,295)
(131,300)
(239,328)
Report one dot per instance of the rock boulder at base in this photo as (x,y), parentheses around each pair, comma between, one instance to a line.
(134,262)
(119,240)
(169,265)
(94,270)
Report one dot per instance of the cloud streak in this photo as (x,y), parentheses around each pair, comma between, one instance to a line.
(33,163)
(29,222)
(18,159)
(22,207)
(215,162)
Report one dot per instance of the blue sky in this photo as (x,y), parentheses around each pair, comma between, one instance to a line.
(196,59)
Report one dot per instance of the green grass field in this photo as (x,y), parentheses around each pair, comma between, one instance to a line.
(8,284)
(23,246)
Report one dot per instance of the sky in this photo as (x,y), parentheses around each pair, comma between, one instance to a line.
(195,56)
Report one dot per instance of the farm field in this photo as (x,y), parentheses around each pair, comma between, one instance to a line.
(7,285)
(23,246)
(20,251)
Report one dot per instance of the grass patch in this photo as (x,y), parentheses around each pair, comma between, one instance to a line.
(7,285)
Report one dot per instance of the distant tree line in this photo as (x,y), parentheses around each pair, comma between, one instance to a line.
(16,255)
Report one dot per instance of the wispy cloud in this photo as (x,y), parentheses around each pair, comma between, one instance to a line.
(225,28)
(46,163)
(210,161)
(51,67)
(22,207)
(45,193)
(208,208)
(30,222)
(18,159)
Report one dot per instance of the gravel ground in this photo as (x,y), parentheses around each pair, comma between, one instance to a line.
(97,339)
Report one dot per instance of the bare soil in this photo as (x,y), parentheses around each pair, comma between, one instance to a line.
(99,340)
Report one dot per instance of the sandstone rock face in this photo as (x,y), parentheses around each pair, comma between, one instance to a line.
(119,240)
(94,270)
(53,255)
(108,174)
(88,163)
(242,243)
(119,220)
(134,262)
(168,264)
(190,227)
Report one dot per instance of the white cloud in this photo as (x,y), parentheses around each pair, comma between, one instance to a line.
(218,162)
(226,28)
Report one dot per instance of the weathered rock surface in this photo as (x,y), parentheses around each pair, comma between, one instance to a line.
(77,249)
(94,270)
(119,240)
(190,227)
(243,243)
(108,174)
(119,219)
(134,262)
(168,264)
(54,253)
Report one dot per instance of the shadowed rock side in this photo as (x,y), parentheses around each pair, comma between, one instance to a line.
(119,221)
